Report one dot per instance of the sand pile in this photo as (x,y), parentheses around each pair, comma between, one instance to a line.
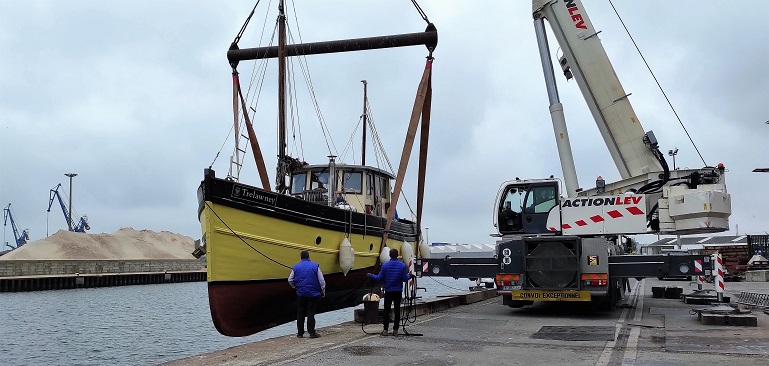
(125,243)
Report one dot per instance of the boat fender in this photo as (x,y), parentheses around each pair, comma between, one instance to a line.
(407,256)
(346,256)
(385,255)
(424,249)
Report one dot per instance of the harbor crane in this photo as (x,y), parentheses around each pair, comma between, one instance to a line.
(79,227)
(22,238)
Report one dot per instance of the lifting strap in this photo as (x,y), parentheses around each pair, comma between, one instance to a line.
(424,135)
(236,91)
(422,105)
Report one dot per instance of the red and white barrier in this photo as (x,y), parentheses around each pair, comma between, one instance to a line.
(719,275)
(699,276)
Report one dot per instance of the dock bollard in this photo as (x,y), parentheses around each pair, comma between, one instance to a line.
(719,282)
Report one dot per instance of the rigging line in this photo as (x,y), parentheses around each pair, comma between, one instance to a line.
(375,137)
(262,70)
(291,93)
(245,24)
(350,142)
(241,238)
(253,100)
(442,284)
(296,125)
(232,128)
(658,84)
(254,103)
(261,38)
(308,80)
(324,127)
(381,152)
(258,71)
(421,12)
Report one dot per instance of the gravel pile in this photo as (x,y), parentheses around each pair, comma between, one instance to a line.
(125,243)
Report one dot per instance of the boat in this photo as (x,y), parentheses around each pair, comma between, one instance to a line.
(343,214)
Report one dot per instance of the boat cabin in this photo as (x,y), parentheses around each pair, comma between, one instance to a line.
(357,188)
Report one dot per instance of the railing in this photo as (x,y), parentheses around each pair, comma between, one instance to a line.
(318,195)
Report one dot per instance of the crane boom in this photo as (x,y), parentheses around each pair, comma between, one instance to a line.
(585,58)
(681,201)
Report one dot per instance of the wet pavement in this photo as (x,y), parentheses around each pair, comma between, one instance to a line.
(643,331)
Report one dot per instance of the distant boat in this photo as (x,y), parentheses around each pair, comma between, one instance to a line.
(341,213)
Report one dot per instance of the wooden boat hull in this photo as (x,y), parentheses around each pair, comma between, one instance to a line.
(254,237)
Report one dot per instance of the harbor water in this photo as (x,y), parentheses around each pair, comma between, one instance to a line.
(133,325)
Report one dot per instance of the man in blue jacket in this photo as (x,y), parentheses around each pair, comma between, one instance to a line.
(310,286)
(393,273)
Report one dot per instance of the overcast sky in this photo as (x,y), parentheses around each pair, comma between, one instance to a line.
(135,97)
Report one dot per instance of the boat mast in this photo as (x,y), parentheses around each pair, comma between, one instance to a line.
(363,154)
(281,176)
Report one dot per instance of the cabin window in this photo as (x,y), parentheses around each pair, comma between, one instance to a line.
(369,184)
(351,182)
(513,201)
(377,187)
(385,193)
(319,180)
(298,182)
(540,199)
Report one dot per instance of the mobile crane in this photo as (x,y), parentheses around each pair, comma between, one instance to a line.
(22,238)
(81,225)
(574,248)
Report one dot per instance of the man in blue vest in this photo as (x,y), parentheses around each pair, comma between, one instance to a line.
(310,286)
(393,273)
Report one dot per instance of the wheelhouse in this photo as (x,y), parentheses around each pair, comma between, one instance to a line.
(354,187)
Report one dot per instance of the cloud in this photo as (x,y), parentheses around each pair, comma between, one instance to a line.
(136,99)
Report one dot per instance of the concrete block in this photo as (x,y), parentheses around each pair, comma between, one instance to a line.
(743,320)
(713,319)
(673,292)
(757,276)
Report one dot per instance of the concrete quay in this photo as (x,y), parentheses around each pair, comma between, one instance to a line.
(642,331)
(60,274)
(88,280)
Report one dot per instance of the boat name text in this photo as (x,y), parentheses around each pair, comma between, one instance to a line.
(253,195)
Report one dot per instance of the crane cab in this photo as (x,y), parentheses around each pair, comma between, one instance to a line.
(523,206)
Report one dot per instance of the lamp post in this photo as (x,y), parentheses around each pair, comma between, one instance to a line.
(673,153)
(69,218)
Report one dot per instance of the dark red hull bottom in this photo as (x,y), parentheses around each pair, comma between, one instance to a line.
(241,309)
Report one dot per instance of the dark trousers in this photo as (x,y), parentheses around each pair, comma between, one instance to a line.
(389,299)
(305,308)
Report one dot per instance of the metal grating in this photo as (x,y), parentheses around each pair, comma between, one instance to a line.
(575,333)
